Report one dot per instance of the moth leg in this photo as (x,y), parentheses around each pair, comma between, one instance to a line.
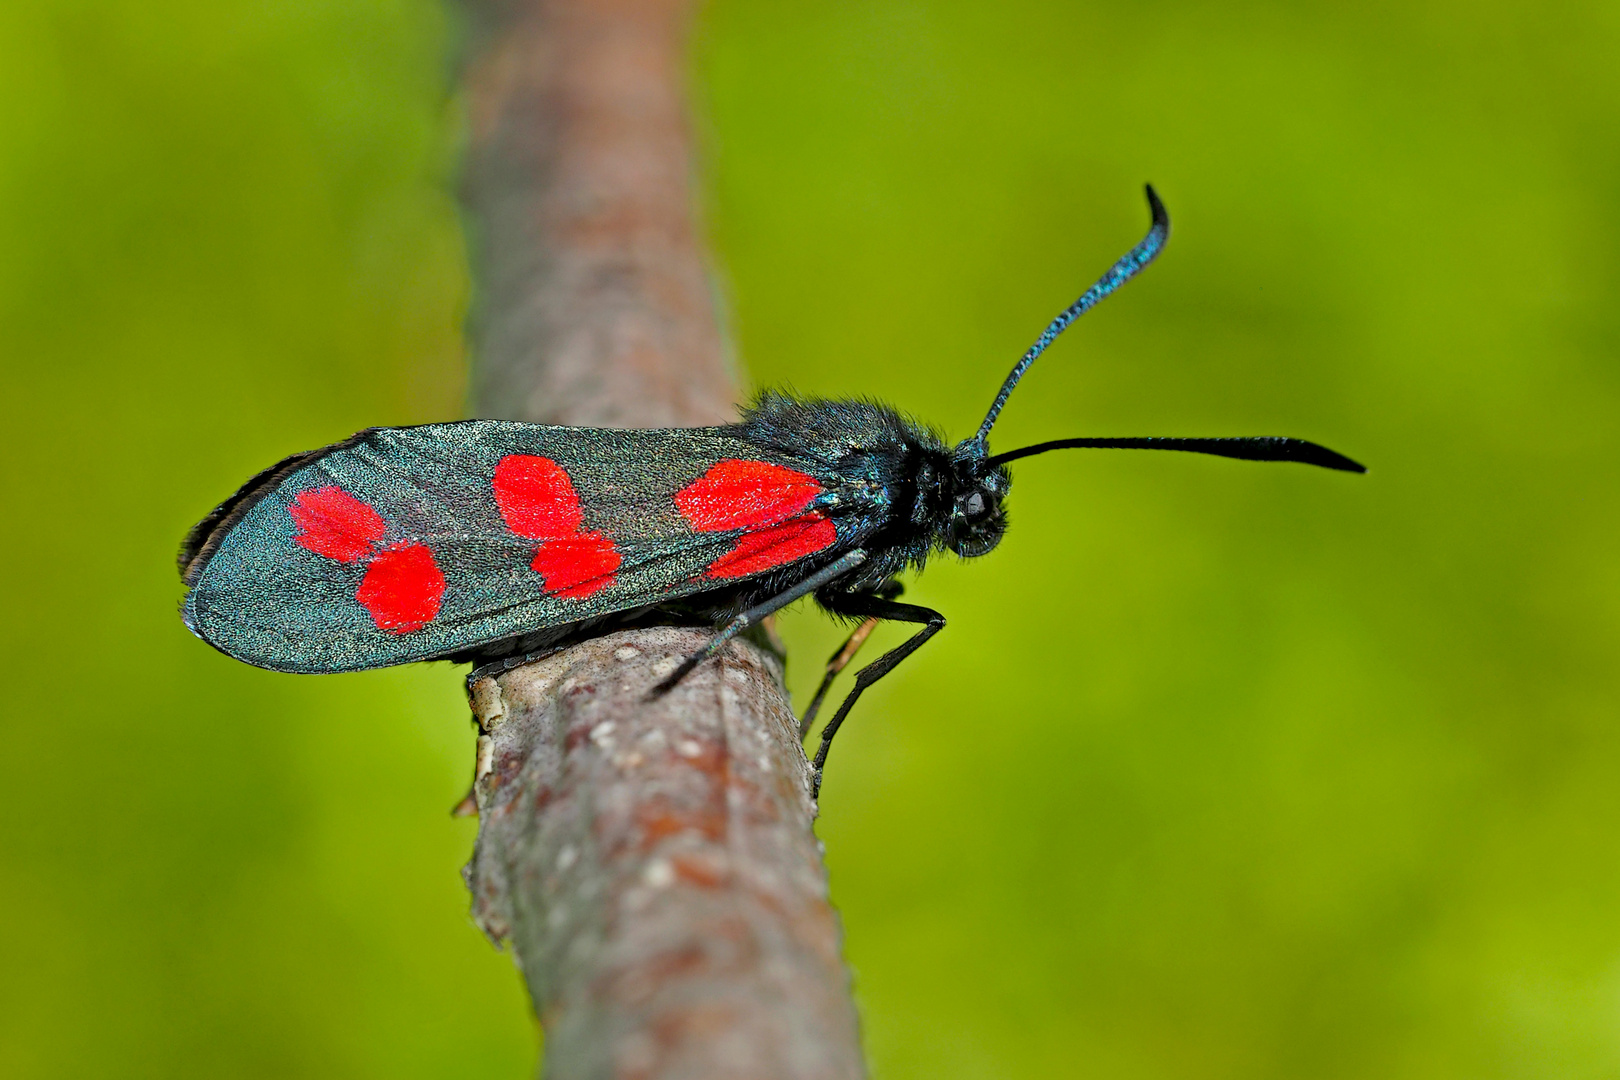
(832,571)
(845,653)
(506,663)
(872,607)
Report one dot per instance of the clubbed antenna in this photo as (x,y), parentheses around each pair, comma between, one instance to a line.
(1245,447)
(1121,272)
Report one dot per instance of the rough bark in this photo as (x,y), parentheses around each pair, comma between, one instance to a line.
(652,865)
(593,302)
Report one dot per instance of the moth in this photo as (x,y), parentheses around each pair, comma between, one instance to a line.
(489,539)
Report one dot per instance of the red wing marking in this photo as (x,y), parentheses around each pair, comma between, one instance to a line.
(402,588)
(762,549)
(333,523)
(576,566)
(737,494)
(538,501)
(536,498)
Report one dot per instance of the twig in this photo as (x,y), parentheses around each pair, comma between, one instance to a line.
(652,865)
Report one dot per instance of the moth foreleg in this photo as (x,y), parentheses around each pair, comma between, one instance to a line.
(872,607)
(840,659)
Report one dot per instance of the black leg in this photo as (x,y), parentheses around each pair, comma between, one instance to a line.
(505,664)
(872,607)
(845,653)
(835,664)
(831,572)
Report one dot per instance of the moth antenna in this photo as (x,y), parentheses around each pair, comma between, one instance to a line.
(1126,268)
(1248,448)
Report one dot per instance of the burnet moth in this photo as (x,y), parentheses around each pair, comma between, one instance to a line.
(489,540)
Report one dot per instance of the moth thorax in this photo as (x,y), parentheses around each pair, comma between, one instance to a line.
(932,491)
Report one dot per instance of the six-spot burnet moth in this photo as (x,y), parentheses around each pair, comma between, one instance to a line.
(486,539)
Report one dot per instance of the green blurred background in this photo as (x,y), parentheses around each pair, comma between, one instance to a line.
(1221,770)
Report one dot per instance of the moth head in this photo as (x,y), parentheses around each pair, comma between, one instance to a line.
(977,519)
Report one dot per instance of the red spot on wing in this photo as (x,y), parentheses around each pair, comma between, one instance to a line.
(745,495)
(402,585)
(763,549)
(536,498)
(576,566)
(402,588)
(333,523)
(538,501)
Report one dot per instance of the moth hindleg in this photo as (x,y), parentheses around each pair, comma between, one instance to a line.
(831,572)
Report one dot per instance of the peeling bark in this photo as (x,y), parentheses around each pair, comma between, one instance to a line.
(652,864)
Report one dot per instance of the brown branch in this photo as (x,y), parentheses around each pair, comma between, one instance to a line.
(652,865)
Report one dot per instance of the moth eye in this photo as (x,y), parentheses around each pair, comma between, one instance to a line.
(973,505)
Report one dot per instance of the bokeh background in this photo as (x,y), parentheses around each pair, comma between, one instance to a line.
(1221,770)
